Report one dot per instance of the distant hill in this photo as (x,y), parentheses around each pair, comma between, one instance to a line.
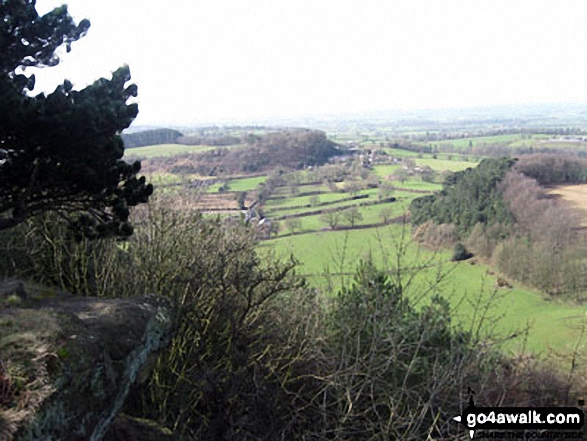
(150,137)
(291,149)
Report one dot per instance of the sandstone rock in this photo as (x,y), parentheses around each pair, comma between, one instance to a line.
(67,363)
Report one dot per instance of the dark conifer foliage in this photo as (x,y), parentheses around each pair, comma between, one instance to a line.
(468,197)
(62,152)
(151,137)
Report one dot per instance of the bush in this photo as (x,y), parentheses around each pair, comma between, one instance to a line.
(237,362)
(433,235)
(256,353)
(391,361)
(460,253)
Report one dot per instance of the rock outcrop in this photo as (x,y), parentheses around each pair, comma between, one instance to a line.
(67,363)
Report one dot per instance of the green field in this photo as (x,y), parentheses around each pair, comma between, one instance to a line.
(153,151)
(304,200)
(328,258)
(159,150)
(515,140)
(245,184)
(443,164)
(552,325)
(383,171)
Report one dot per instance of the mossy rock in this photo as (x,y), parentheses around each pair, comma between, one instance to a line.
(67,363)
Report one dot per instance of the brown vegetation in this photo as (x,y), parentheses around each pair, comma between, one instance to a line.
(575,196)
(436,236)
(258,355)
(543,249)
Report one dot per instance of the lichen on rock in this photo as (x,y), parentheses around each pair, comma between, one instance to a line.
(67,363)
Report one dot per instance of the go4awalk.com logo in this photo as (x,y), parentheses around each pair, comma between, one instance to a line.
(519,420)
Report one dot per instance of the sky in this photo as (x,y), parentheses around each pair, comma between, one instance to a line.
(219,61)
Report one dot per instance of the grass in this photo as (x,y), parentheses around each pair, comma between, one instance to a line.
(561,144)
(400,153)
(416,184)
(404,197)
(552,325)
(163,178)
(370,214)
(152,151)
(245,184)
(320,251)
(304,200)
(381,171)
(515,140)
(443,164)
(325,254)
(323,251)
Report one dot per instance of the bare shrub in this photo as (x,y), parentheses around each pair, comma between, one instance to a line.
(545,250)
(484,238)
(437,236)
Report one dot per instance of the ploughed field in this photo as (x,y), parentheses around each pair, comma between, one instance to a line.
(575,195)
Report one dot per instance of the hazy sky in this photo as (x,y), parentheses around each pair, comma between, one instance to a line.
(200,61)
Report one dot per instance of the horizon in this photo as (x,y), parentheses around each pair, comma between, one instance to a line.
(199,62)
(502,113)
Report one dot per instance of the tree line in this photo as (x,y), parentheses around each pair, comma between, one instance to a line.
(151,137)
(500,212)
(467,197)
(286,150)
(258,354)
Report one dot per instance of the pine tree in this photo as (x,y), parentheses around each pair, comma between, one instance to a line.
(62,152)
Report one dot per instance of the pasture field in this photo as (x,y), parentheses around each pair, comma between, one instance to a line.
(329,258)
(163,178)
(238,184)
(382,171)
(153,151)
(555,143)
(416,184)
(514,140)
(441,165)
(400,153)
(305,200)
(370,215)
(325,255)
(245,184)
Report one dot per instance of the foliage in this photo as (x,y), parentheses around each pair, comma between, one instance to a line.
(352,215)
(293,224)
(257,355)
(150,137)
(241,349)
(468,197)
(553,169)
(62,151)
(288,149)
(547,251)
(239,345)
(222,140)
(460,252)
(433,235)
(31,40)
(392,361)
(332,218)
(483,239)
